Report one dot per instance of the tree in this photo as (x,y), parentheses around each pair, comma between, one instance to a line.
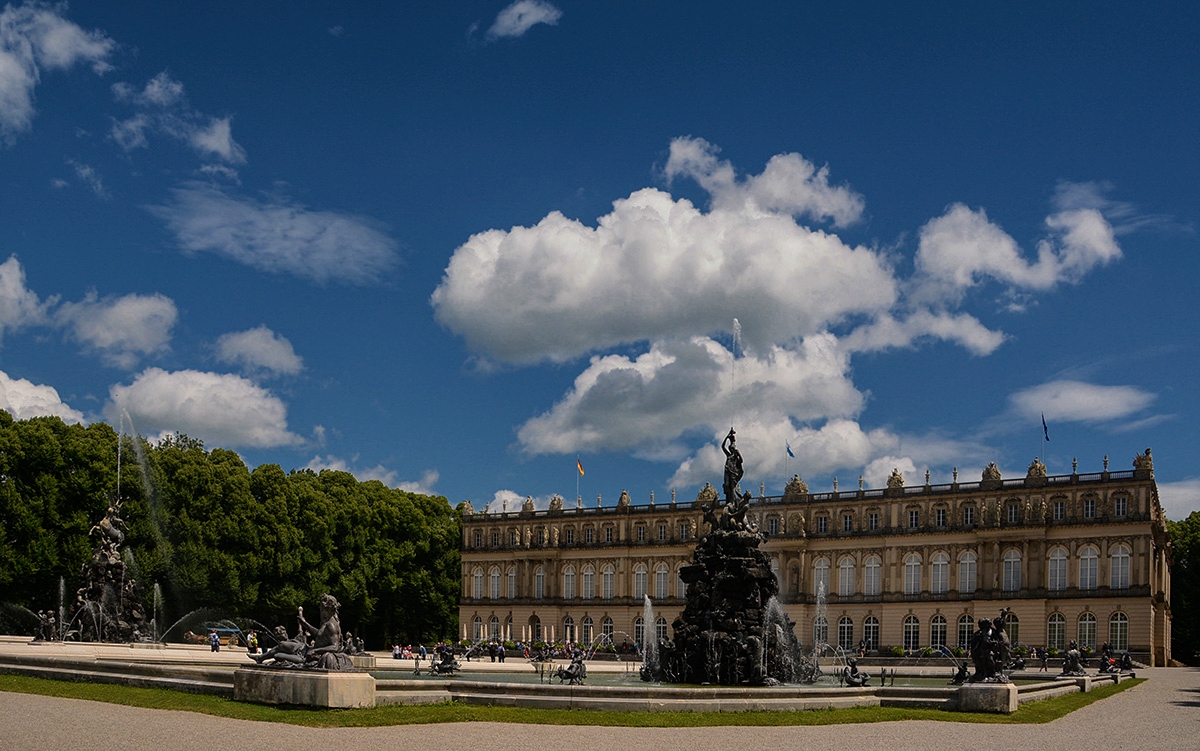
(1185,588)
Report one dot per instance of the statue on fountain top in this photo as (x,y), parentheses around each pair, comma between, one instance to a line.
(733,466)
(326,651)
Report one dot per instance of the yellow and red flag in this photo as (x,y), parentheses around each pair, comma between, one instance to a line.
(580,465)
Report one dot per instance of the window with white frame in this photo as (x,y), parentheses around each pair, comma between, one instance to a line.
(1089,508)
(589,582)
(846,577)
(1089,564)
(1118,631)
(539,583)
(940,517)
(568,632)
(822,524)
(1087,630)
(1059,510)
(641,532)
(821,576)
(680,584)
(968,516)
(871,576)
(912,574)
(608,534)
(569,536)
(587,632)
(662,532)
(1119,568)
(873,521)
(589,535)
(939,573)
(966,572)
(660,629)
(639,630)
(477,628)
(847,523)
(494,628)
(1014,513)
(966,628)
(1056,631)
(639,581)
(477,589)
(607,579)
(1120,506)
(937,631)
(846,633)
(773,525)
(1056,572)
(1012,571)
(914,518)
(494,582)
(820,630)
(606,628)
(912,633)
(512,582)
(569,583)
(871,632)
(661,573)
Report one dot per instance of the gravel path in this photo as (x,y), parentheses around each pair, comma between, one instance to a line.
(1159,714)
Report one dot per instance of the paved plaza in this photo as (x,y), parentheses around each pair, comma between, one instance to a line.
(1159,714)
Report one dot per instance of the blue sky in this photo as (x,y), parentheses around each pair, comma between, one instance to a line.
(456,246)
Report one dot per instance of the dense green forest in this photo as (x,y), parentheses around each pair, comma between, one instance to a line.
(215,535)
(1185,589)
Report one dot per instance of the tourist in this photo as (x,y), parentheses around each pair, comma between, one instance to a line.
(1045,655)
(862,648)
(252,643)
(500,651)
(214,640)
(422,652)
(395,651)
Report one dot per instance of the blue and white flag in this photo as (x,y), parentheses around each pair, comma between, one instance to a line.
(789,449)
(1045,430)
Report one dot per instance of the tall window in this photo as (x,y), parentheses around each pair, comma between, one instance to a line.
(1012,626)
(478,539)
(937,631)
(968,516)
(639,631)
(477,629)
(822,524)
(1014,513)
(1059,510)
(569,583)
(914,519)
(495,582)
(846,633)
(1088,566)
(873,521)
(587,633)
(940,517)
(512,583)
(1087,630)
(569,536)
(662,532)
(477,579)
(606,628)
(1119,568)
(589,582)
(494,629)
(939,569)
(539,583)
(641,533)
(683,530)
(847,523)
(568,633)
(1057,571)
(912,633)
(535,628)
(607,576)
(661,573)
(820,631)
(1120,506)
(1012,571)
(1089,508)
(680,584)
(589,535)
(846,577)
(871,578)
(773,525)
(1056,631)
(495,539)
(912,574)
(871,632)
(639,581)
(1118,631)
(821,576)
(608,534)
(660,629)
(965,629)
(966,573)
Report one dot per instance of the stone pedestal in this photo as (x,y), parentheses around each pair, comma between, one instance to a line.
(304,688)
(363,661)
(998,698)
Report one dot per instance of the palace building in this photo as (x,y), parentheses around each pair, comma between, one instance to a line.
(1081,557)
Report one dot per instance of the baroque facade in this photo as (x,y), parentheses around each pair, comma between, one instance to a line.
(1081,557)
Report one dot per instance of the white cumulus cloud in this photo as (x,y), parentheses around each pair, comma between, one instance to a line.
(121,329)
(521,16)
(35,37)
(1179,499)
(1077,401)
(259,349)
(24,399)
(221,409)
(278,235)
(389,477)
(19,305)
(162,107)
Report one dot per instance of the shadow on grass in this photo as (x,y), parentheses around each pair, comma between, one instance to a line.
(153,698)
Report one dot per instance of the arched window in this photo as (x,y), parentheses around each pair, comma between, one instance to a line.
(937,631)
(1119,569)
(821,576)
(569,583)
(606,628)
(820,631)
(495,582)
(494,629)
(1012,627)
(1087,630)
(912,633)
(639,581)
(539,583)
(871,632)
(639,631)
(871,576)
(588,634)
(1056,578)
(477,625)
(535,628)
(680,584)
(939,573)
(607,577)
(846,577)
(1118,631)
(1056,631)
(846,633)
(966,627)
(966,573)
(1088,568)
(512,583)
(661,573)
(660,629)
(568,633)
(1012,571)
(477,590)
(589,582)
(912,575)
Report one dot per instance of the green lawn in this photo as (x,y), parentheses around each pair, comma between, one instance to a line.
(153,698)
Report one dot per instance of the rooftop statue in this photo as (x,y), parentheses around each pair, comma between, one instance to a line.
(991,472)
(896,480)
(1144,461)
(1036,468)
(795,487)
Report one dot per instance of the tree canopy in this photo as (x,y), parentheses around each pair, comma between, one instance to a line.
(1185,588)
(216,535)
